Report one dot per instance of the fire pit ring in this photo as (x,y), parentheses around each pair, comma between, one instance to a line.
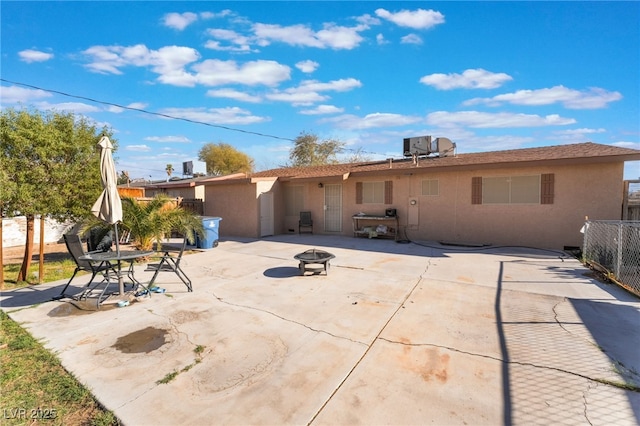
(309,258)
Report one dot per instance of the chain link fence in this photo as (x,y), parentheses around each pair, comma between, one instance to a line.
(613,246)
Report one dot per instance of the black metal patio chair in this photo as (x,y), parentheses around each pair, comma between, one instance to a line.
(305,222)
(170,262)
(74,245)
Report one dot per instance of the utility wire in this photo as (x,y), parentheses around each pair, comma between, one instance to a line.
(188,120)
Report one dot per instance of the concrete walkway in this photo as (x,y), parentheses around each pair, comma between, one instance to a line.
(403,334)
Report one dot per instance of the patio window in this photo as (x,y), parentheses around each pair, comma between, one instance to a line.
(294,200)
(431,187)
(536,189)
(374,192)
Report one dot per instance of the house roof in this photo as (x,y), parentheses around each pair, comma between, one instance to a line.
(580,153)
(177,183)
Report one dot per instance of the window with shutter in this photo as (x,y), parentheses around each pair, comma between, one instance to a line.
(358,192)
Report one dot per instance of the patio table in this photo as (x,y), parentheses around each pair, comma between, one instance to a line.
(115,259)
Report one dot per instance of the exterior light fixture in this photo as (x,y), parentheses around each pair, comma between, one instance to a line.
(320,185)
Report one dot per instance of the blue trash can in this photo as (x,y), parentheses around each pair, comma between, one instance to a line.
(211,235)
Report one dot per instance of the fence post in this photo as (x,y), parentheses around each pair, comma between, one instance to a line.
(618,270)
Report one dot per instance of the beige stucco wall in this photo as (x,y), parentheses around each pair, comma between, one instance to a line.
(580,190)
(237,205)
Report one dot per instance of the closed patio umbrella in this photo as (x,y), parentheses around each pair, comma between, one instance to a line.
(108,206)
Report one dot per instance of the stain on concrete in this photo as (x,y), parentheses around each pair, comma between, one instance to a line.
(429,363)
(141,341)
(67,310)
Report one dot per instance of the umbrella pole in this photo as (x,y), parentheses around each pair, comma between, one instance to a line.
(120,279)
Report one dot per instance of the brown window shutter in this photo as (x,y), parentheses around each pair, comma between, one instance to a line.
(388,192)
(476,190)
(546,190)
(358,192)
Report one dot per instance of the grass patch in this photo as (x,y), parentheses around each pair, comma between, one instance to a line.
(35,386)
(198,350)
(53,271)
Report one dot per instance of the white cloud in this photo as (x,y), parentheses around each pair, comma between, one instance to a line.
(469,79)
(231,115)
(307,66)
(307,92)
(234,94)
(593,98)
(239,42)
(341,85)
(331,36)
(487,120)
(75,107)
(15,94)
(579,132)
(214,72)
(296,97)
(381,40)
(168,61)
(369,121)
(137,148)
(31,55)
(322,110)
(411,39)
(417,19)
(118,110)
(179,21)
(168,139)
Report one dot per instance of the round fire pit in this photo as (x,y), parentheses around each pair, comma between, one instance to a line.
(314,260)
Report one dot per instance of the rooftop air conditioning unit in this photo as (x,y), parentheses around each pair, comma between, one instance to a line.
(417,146)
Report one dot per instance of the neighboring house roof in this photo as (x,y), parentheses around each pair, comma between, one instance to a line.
(580,153)
(177,183)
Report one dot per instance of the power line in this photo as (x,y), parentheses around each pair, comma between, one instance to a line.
(188,120)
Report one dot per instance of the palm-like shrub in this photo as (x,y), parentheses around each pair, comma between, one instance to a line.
(151,221)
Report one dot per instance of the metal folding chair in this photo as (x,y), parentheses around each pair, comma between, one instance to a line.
(305,222)
(74,245)
(170,263)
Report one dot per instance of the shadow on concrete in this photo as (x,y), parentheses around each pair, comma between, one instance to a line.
(614,327)
(282,272)
(611,324)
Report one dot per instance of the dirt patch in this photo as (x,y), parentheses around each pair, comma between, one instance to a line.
(52,252)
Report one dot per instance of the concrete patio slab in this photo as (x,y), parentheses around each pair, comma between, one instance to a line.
(394,333)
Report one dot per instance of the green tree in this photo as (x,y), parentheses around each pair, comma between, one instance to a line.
(308,150)
(50,166)
(223,159)
(169,170)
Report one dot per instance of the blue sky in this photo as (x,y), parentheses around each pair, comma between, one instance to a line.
(487,75)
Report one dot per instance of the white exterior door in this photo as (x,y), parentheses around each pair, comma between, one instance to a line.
(333,208)
(266,214)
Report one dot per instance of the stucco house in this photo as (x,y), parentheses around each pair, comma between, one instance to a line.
(537,197)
